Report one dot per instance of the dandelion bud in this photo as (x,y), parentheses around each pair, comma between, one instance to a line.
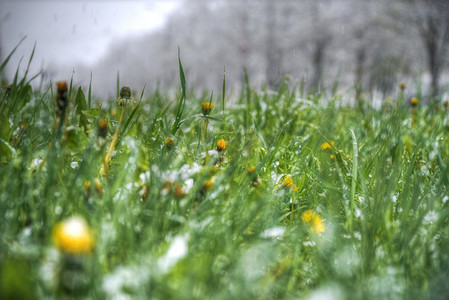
(414,102)
(208,185)
(169,142)
(102,128)
(87,187)
(98,186)
(222,145)
(446,103)
(207,107)
(62,101)
(178,191)
(145,192)
(125,97)
(252,174)
(402,86)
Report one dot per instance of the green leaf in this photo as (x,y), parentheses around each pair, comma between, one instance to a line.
(81,105)
(93,113)
(130,118)
(182,101)
(5,128)
(5,134)
(301,182)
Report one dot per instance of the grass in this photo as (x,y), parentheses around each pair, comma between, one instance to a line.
(184,221)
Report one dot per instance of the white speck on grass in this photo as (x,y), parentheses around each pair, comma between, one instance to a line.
(327,293)
(394,198)
(145,177)
(188,185)
(275,232)
(131,277)
(430,217)
(309,243)
(445,199)
(58,210)
(177,250)
(74,164)
(35,163)
(47,270)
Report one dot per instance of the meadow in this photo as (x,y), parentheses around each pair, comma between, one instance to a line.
(276,195)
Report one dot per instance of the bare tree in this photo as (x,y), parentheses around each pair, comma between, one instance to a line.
(431,19)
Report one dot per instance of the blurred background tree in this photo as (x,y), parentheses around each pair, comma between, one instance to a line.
(366,46)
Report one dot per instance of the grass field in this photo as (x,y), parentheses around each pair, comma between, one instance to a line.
(279,195)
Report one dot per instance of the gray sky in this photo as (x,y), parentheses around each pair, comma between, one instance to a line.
(71,31)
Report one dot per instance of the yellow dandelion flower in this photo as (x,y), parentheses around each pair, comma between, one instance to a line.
(251,169)
(414,101)
(317,225)
(287,183)
(326,145)
(306,216)
(169,142)
(207,107)
(314,221)
(402,85)
(222,145)
(73,236)
(389,100)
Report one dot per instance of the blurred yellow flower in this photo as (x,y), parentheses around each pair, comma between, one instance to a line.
(178,191)
(326,145)
(222,145)
(207,107)
(314,221)
(446,103)
(306,216)
(73,236)
(414,101)
(402,85)
(287,183)
(169,142)
(208,184)
(177,188)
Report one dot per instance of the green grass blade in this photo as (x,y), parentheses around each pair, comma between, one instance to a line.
(354,176)
(5,62)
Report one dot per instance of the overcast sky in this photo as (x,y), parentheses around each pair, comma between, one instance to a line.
(71,31)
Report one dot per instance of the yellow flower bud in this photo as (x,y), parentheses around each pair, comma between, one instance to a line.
(222,145)
(207,107)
